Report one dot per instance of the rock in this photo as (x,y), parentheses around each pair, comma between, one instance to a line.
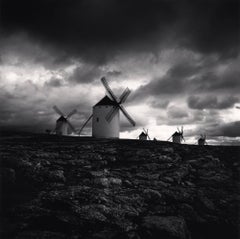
(163,184)
(152,195)
(111,158)
(80,187)
(207,202)
(56,176)
(168,179)
(104,182)
(165,159)
(127,183)
(164,227)
(98,173)
(115,181)
(190,184)
(168,150)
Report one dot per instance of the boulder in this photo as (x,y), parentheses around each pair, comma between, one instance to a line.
(152,195)
(164,227)
(56,176)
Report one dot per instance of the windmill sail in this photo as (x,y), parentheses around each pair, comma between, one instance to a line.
(146,132)
(118,106)
(58,110)
(127,115)
(108,89)
(63,125)
(80,131)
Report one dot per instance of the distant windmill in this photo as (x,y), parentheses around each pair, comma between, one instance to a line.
(177,137)
(105,116)
(144,135)
(62,124)
(202,140)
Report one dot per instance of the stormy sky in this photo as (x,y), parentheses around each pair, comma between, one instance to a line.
(179,58)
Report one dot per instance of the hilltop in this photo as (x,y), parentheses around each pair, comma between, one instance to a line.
(71,187)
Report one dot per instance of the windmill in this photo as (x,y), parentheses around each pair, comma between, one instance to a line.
(177,137)
(202,140)
(105,116)
(62,124)
(144,135)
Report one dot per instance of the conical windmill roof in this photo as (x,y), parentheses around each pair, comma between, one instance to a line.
(106,101)
(177,134)
(63,119)
(142,134)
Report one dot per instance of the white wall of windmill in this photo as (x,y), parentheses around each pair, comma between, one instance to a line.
(176,139)
(61,128)
(101,128)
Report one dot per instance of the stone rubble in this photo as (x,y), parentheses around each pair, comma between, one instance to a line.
(66,187)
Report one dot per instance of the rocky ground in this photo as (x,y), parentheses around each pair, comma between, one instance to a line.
(62,187)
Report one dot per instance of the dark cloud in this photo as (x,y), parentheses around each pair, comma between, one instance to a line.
(175,81)
(54,82)
(176,112)
(97,29)
(86,73)
(211,102)
(159,103)
(197,76)
(114,73)
(25,49)
(231,129)
(184,116)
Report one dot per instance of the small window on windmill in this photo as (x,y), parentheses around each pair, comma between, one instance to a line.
(97,119)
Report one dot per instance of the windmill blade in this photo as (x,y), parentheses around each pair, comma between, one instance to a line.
(169,138)
(111,113)
(182,129)
(71,126)
(71,113)
(108,89)
(146,132)
(183,139)
(85,124)
(58,110)
(124,95)
(127,115)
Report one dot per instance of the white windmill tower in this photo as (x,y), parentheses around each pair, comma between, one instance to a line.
(177,137)
(202,140)
(63,126)
(105,116)
(144,135)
